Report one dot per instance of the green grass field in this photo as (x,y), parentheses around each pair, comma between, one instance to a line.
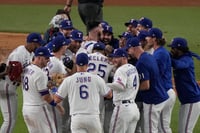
(174,22)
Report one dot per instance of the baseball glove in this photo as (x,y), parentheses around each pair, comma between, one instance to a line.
(15,70)
(68,62)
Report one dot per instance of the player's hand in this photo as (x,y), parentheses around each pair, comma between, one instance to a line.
(67,8)
(60,109)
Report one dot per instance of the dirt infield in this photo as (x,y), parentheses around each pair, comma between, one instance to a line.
(9,41)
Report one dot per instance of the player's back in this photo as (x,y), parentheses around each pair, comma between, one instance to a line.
(83,90)
(34,82)
(100,65)
(126,75)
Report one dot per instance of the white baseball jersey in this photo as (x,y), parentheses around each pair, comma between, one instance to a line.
(8,89)
(34,106)
(83,90)
(100,65)
(22,55)
(34,82)
(127,76)
(86,47)
(56,65)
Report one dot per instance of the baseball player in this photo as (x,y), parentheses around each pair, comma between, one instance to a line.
(131,27)
(93,37)
(100,65)
(108,37)
(145,24)
(164,63)
(8,96)
(65,28)
(56,66)
(123,38)
(125,86)
(153,93)
(187,88)
(76,38)
(83,90)
(36,95)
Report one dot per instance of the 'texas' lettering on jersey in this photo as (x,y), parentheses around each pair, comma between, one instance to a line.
(83,79)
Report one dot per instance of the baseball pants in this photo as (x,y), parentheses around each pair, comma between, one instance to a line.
(152,114)
(188,116)
(8,104)
(165,119)
(38,119)
(124,118)
(82,123)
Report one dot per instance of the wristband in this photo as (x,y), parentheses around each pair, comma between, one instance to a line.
(54,90)
(52,103)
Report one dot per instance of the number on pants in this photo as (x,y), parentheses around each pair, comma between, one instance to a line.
(83,92)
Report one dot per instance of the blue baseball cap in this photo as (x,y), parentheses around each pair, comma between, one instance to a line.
(178,42)
(120,52)
(132,22)
(104,23)
(36,38)
(142,35)
(107,28)
(132,42)
(43,51)
(146,22)
(82,59)
(155,32)
(49,45)
(66,24)
(126,35)
(99,46)
(60,41)
(76,35)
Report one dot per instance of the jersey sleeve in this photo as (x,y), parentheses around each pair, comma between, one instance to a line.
(62,91)
(104,90)
(41,83)
(181,63)
(120,77)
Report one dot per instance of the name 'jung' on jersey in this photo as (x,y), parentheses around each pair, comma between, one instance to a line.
(83,79)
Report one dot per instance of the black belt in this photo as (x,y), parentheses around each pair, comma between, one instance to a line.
(126,101)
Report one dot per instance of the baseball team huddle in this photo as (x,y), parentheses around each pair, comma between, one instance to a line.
(96,83)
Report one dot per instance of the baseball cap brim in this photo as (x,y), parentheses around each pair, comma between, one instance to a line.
(120,36)
(127,24)
(170,45)
(42,42)
(77,39)
(67,28)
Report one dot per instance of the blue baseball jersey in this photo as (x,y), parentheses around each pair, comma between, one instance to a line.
(164,64)
(148,70)
(187,88)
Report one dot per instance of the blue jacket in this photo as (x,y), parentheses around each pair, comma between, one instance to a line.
(165,68)
(148,70)
(187,88)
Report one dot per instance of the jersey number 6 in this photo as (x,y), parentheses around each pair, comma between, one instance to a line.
(83,92)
